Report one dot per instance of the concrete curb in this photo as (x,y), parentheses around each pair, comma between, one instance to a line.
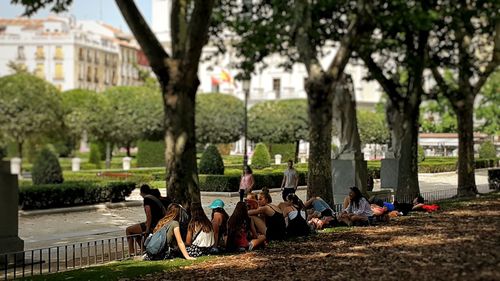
(130,203)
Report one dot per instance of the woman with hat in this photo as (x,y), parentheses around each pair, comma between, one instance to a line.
(219,223)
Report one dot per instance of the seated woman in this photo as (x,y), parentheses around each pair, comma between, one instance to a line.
(219,224)
(419,205)
(173,235)
(241,232)
(358,211)
(274,226)
(251,201)
(295,216)
(320,214)
(200,234)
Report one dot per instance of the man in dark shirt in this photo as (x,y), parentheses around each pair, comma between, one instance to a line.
(154,210)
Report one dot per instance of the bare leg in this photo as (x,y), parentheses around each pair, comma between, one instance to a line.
(130,231)
(258,241)
(260,225)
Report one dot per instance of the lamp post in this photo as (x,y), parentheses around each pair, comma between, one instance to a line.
(246,91)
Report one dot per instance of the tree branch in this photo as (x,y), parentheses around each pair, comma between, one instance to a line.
(389,86)
(197,34)
(146,38)
(302,26)
(178,27)
(492,65)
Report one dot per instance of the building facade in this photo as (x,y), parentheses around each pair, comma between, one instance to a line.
(70,54)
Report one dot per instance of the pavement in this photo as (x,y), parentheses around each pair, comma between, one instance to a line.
(55,227)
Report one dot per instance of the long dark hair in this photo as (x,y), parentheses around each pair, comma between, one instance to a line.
(199,220)
(357,196)
(296,202)
(236,221)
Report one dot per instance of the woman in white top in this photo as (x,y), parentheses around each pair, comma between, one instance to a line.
(200,236)
(358,211)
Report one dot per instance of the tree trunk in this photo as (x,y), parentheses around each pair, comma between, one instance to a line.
(108,155)
(466,165)
(128,149)
(20,149)
(297,146)
(319,182)
(180,141)
(404,134)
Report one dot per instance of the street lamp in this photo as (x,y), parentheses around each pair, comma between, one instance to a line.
(246,91)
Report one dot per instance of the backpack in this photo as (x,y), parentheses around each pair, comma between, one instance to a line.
(156,243)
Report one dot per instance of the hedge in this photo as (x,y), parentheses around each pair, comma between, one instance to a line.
(70,194)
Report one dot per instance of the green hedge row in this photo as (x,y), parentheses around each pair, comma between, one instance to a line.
(231,183)
(151,154)
(72,194)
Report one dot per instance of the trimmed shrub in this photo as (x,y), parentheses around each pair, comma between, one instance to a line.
(151,153)
(72,194)
(46,169)
(95,155)
(211,162)
(487,150)
(261,158)
(421,154)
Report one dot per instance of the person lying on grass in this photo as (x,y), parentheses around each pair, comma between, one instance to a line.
(320,214)
(419,205)
(358,211)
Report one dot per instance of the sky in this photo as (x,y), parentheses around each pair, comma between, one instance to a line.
(105,10)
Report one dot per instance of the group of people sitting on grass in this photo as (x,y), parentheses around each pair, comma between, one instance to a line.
(255,221)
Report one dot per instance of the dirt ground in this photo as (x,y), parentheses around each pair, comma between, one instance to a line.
(459,243)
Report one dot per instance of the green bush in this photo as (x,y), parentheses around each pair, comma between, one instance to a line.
(95,155)
(421,154)
(487,150)
(261,158)
(72,194)
(46,169)
(211,162)
(151,154)
(287,151)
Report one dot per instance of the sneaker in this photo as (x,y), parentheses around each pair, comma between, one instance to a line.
(214,251)
(241,250)
(250,246)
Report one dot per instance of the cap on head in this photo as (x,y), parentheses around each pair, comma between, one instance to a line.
(217,203)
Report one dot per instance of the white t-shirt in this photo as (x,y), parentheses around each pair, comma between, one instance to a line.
(205,239)
(290,177)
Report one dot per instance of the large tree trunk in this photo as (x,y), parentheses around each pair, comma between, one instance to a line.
(297,146)
(180,141)
(466,165)
(403,122)
(319,182)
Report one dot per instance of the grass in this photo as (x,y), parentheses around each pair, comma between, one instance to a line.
(119,269)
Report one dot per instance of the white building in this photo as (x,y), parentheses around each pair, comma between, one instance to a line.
(68,53)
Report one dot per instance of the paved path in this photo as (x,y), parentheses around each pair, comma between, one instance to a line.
(63,228)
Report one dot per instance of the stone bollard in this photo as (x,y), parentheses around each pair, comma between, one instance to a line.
(75,164)
(303,159)
(126,163)
(9,199)
(277,159)
(15,166)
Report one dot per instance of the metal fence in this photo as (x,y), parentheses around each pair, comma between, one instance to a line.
(67,257)
(80,255)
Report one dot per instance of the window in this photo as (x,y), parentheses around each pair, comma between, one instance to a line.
(277,87)
(89,74)
(81,54)
(81,72)
(59,75)
(59,53)
(39,53)
(20,53)
(89,55)
(96,75)
(40,70)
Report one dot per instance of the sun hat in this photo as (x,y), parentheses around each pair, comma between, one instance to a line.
(217,203)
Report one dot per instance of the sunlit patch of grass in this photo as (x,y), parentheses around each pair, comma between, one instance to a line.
(119,269)
(336,229)
(466,202)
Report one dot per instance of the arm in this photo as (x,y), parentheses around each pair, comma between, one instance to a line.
(180,243)
(283,182)
(296,178)
(147,210)
(252,183)
(253,230)
(258,211)
(215,224)
(189,237)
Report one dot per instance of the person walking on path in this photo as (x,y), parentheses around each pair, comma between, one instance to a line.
(290,180)
(247,182)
